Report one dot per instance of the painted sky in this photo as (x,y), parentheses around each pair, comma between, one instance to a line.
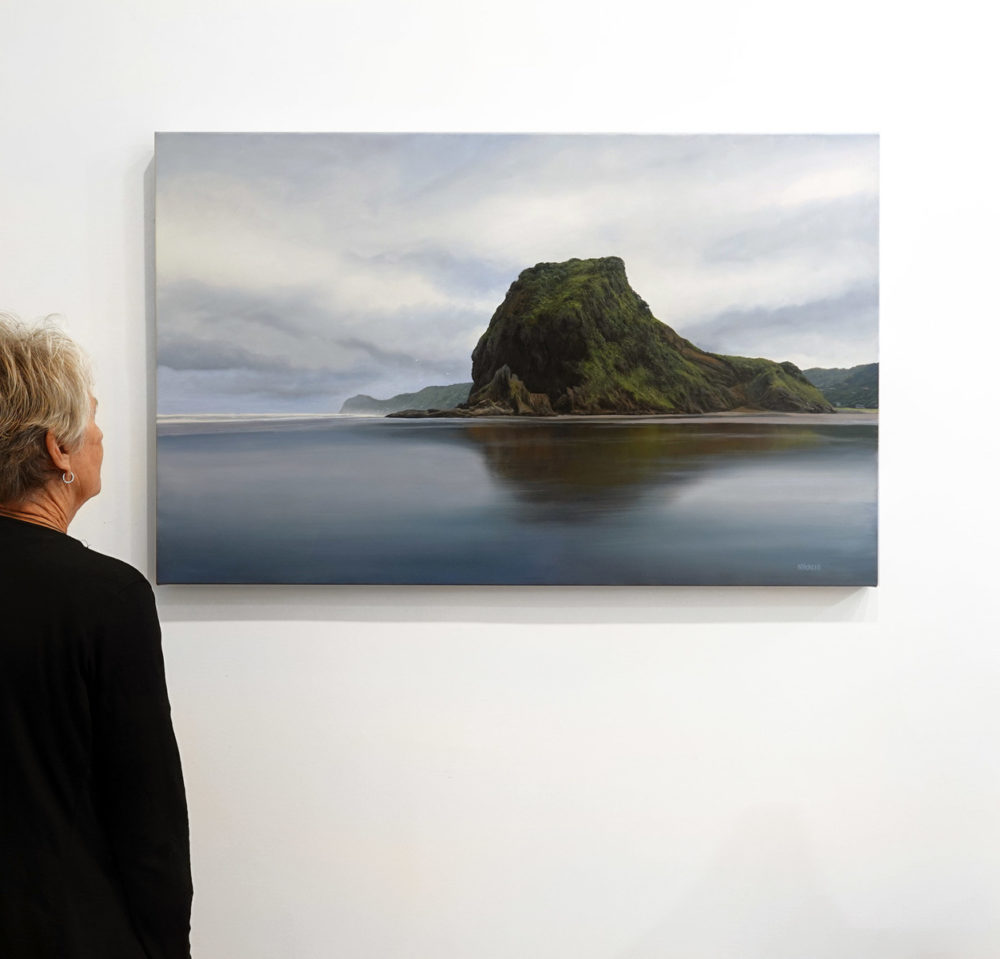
(296,270)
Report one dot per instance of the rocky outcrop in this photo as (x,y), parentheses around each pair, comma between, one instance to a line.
(506,390)
(575,338)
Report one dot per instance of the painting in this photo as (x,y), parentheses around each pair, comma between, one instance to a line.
(517,359)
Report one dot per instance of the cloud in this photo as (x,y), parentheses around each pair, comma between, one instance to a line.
(462,276)
(242,390)
(189,353)
(799,332)
(224,344)
(843,227)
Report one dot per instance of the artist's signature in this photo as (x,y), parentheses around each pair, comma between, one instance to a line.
(809,567)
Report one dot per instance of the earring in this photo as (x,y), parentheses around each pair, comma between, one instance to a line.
(68,478)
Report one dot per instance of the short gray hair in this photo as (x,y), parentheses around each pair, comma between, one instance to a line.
(45,384)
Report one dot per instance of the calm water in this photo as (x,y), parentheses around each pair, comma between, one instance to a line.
(616,501)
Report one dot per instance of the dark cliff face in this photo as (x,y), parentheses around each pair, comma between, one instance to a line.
(578,335)
(552,312)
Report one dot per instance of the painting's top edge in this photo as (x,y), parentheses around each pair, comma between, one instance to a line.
(789,134)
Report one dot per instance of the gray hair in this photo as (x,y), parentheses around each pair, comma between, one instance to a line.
(45,384)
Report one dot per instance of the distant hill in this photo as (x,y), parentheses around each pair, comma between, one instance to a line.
(430,397)
(857,386)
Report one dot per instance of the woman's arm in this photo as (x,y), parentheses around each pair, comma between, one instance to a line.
(139,785)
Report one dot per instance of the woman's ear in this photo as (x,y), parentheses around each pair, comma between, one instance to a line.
(57,453)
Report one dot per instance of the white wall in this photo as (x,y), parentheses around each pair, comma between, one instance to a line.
(589,774)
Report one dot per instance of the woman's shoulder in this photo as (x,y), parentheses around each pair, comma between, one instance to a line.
(113,573)
(62,560)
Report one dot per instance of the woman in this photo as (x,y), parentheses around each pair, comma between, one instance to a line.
(94,857)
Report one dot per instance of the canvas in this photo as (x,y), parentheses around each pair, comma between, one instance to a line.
(517,359)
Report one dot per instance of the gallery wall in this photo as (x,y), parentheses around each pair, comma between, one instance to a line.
(596,774)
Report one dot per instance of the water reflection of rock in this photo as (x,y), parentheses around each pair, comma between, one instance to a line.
(585,469)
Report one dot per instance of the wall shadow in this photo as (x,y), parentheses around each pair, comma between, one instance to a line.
(539,605)
(149,264)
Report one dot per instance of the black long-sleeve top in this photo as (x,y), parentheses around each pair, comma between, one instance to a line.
(94,852)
